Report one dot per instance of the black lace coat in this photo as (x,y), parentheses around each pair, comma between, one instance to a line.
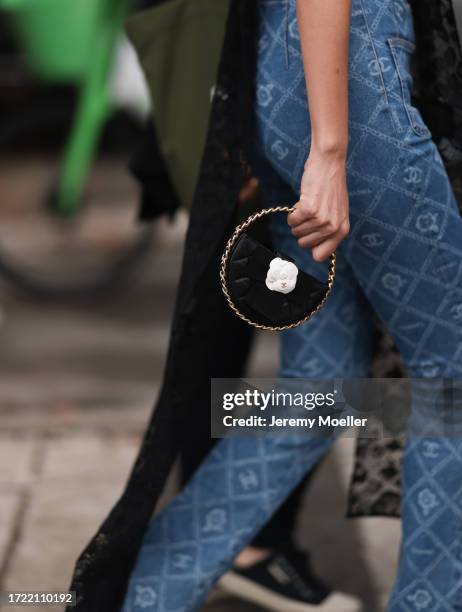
(207,339)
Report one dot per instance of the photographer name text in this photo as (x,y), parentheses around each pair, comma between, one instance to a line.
(305,422)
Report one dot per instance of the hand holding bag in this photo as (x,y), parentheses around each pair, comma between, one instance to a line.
(265,288)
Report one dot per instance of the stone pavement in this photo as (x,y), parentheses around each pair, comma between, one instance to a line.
(77,383)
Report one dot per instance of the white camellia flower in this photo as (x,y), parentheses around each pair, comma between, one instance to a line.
(281,275)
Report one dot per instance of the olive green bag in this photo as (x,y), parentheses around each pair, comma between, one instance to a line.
(178,44)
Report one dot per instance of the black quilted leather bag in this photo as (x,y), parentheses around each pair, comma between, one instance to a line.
(265,288)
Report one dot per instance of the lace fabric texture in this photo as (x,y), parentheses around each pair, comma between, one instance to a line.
(208,335)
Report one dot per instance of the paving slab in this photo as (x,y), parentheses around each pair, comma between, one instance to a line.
(10,504)
(57,526)
(16,459)
(83,459)
(79,479)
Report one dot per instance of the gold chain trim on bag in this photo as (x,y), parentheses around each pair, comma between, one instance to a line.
(224,266)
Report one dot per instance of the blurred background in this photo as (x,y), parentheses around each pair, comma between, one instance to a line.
(89,261)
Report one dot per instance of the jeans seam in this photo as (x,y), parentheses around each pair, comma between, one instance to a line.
(418,130)
(379,67)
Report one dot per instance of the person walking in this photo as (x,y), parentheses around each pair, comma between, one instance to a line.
(337,133)
(335,125)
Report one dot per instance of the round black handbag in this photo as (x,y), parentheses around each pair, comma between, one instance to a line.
(265,288)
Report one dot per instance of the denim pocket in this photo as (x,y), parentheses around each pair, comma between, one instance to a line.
(401,51)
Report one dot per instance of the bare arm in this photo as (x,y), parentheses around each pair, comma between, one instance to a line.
(321,219)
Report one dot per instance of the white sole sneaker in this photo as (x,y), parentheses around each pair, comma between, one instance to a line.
(244,588)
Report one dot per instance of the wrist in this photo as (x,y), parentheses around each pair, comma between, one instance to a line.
(335,148)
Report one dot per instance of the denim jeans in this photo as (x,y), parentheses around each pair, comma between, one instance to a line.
(402,261)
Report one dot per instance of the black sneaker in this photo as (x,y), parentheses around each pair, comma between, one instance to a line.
(282,582)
